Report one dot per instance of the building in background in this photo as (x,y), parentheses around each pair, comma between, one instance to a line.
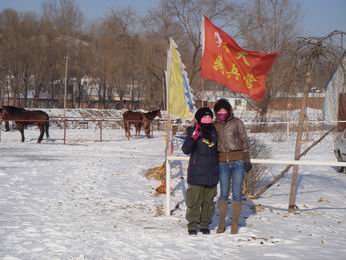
(334,107)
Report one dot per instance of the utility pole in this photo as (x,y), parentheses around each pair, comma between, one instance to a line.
(65,90)
(65,93)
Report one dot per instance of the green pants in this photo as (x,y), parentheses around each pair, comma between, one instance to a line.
(200,206)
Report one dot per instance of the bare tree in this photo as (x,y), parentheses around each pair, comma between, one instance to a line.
(268,26)
(65,17)
(108,40)
(182,19)
(20,37)
(63,22)
(309,53)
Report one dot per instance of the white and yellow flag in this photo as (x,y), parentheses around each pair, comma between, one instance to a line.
(180,100)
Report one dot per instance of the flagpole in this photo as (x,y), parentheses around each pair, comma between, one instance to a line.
(179,103)
(163,93)
(203,92)
(202,39)
(168,168)
(168,133)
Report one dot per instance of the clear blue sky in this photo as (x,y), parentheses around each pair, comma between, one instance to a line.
(323,16)
(320,16)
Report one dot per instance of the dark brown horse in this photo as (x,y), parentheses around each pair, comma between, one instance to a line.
(24,117)
(138,119)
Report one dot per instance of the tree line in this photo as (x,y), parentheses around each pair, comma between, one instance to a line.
(125,53)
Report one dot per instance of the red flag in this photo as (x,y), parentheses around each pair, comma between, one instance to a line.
(238,69)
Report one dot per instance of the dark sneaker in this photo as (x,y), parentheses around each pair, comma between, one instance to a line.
(205,231)
(192,232)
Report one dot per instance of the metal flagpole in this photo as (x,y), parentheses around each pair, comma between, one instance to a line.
(203,40)
(163,93)
(168,133)
(202,92)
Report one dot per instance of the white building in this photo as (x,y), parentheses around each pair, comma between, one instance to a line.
(336,85)
(237,102)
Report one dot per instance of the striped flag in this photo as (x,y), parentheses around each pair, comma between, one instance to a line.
(180,99)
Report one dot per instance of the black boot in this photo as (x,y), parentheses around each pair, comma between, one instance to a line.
(192,232)
(205,231)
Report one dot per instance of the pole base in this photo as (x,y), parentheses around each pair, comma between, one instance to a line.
(292,208)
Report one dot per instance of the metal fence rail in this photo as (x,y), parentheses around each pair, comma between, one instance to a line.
(254,161)
(160,124)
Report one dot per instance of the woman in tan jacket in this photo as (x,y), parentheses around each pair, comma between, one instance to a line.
(234,161)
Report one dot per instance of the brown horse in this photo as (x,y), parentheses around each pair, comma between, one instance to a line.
(24,117)
(138,119)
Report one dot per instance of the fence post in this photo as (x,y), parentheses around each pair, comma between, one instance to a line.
(294,177)
(288,130)
(64,130)
(152,130)
(100,122)
(168,188)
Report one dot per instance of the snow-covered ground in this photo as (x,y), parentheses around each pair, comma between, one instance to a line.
(89,200)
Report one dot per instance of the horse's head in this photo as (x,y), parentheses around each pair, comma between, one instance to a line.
(158,113)
(2,111)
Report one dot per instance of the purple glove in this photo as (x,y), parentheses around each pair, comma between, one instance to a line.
(195,135)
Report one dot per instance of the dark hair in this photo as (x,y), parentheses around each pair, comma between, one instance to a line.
(223,103)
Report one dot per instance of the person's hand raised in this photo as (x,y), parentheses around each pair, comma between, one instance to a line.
(196,133)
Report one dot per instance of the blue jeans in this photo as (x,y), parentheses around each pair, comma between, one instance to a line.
(231,173)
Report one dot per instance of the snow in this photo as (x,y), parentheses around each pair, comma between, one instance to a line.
(90,200)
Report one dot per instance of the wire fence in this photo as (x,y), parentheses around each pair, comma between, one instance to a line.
(284,128)
(67,123)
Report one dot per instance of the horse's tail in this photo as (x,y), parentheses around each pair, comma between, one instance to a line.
(46,127)
(7,126)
